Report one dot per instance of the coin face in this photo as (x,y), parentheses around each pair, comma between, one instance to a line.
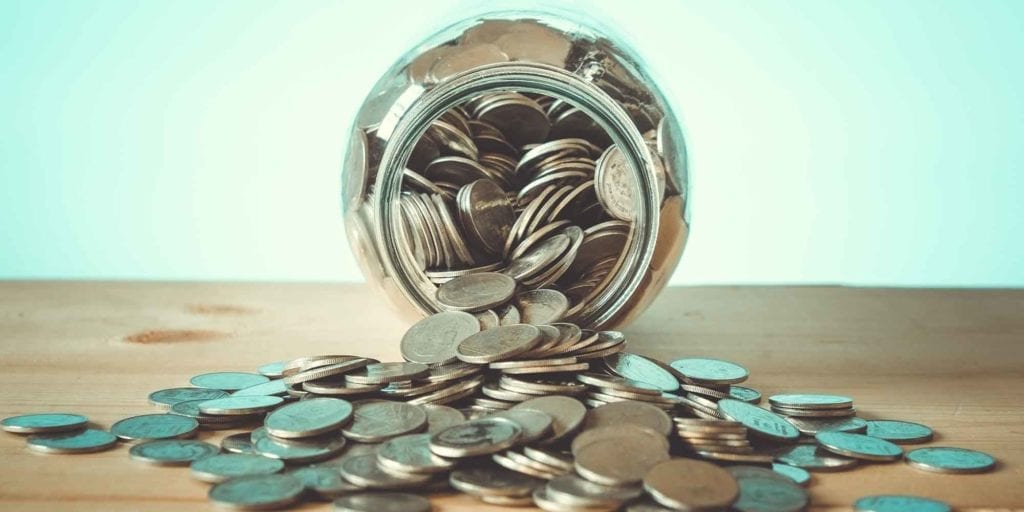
(411,453)
(433,340)
(763,489)
(811,426)
(154,426)
(440,417)
(364,471)
(307,418)
(812,458)
(475,437)
(591,435)
(688,484)
(257,491)
(898,503)
(172,452)
(487,215)
(629,412)
(382,502)
(275,387)
(713,371)
(642,369)
(614,184)
(43,423)
(903,432)
(218,468)
(858,446)
(297,451)
(810,401)
(744,394)
(620,460)
(760,422)
(324,482)
(238,443)
(82,441)
(228,381)
(476,292)
(536,424)
(169,397)
(567,414)
(374,421)
(569,490)
(950,460)
(542,306)
(488,479)
(273,370)
(498,344)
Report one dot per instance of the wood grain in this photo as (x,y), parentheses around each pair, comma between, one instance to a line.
(951,359)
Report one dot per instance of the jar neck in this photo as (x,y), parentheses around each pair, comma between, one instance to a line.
(397,257)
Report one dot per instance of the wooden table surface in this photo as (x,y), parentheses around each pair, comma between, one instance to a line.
(952,359)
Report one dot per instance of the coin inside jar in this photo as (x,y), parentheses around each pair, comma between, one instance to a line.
(476,292)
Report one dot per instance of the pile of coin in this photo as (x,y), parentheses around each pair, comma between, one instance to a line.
(509,411)
(521,184)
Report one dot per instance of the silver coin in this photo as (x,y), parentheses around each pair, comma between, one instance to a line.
(712,371)
(275,387)
(440,417)
(257,492)
(798,475)
(498,344)
(859,446)
(169,397)
(240,405)
(273,370)
(542,306)
(619,461)
(382,502)
(172,452)
(555,459)
(688,484)
(899,431)
(539,258)
(307,418)
(488,216)
(476,292)
(570,490)
(384,373)
(763,490)
(950,460)
(82,441)
(615,185)
(810,401)
(46,423)
(374,421)
(224,466)
(238,443)
(539,468)
(642,369)
(488,479)
(154,426)
(758,421)
(745,394)
(324,482)
(228,381)
(629,412)
(812,458)
(811,426)
(615,432)
(536,424)
(814,413)
(328,367)
(433,340)
(191,409)
(898,503)
(567,414)
(475,437)
(363,470)
(297,451)
(411,453)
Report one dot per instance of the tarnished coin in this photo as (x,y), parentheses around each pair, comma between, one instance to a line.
(498,344)
(812,458)
(488,479)
(745,394)
(567,414)
(711,371)
(433,340)
(82,441)
(476,437)
(573,492)
(276,387)
(374,421)
(620,460)
(642,369)
(364,471)
(384,373)
(950,460)
(47,423)
(758,421)
(536,260)
(301,450)
(542,306)
(487,215)
(798,475)
(903,432)
(687,484)
(382,502)
(859,446)
(764,490)
(172,452)
(228,381)
(591,435)
(307,418)
(154,426)
(238,443)
(240,405)
(411,453)
(562,461)
(257,492)
(440,417)
(273,370)
(811,426)
(536,424)
(615,185)
(221,467)
(169,397)
(810,401)
(898,503)
(476,292)
(324,482)
(629,412)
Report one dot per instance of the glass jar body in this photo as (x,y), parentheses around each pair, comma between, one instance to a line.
(606,92)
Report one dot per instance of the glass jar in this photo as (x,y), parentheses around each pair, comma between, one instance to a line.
(590,86)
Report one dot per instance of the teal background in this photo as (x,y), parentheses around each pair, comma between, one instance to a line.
(862,142)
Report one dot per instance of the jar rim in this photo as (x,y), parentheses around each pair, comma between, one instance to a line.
(397,257)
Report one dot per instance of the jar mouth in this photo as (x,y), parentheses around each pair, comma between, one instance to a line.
(396,255)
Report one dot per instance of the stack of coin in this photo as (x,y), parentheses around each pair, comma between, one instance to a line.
(715,439)
(803,405)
